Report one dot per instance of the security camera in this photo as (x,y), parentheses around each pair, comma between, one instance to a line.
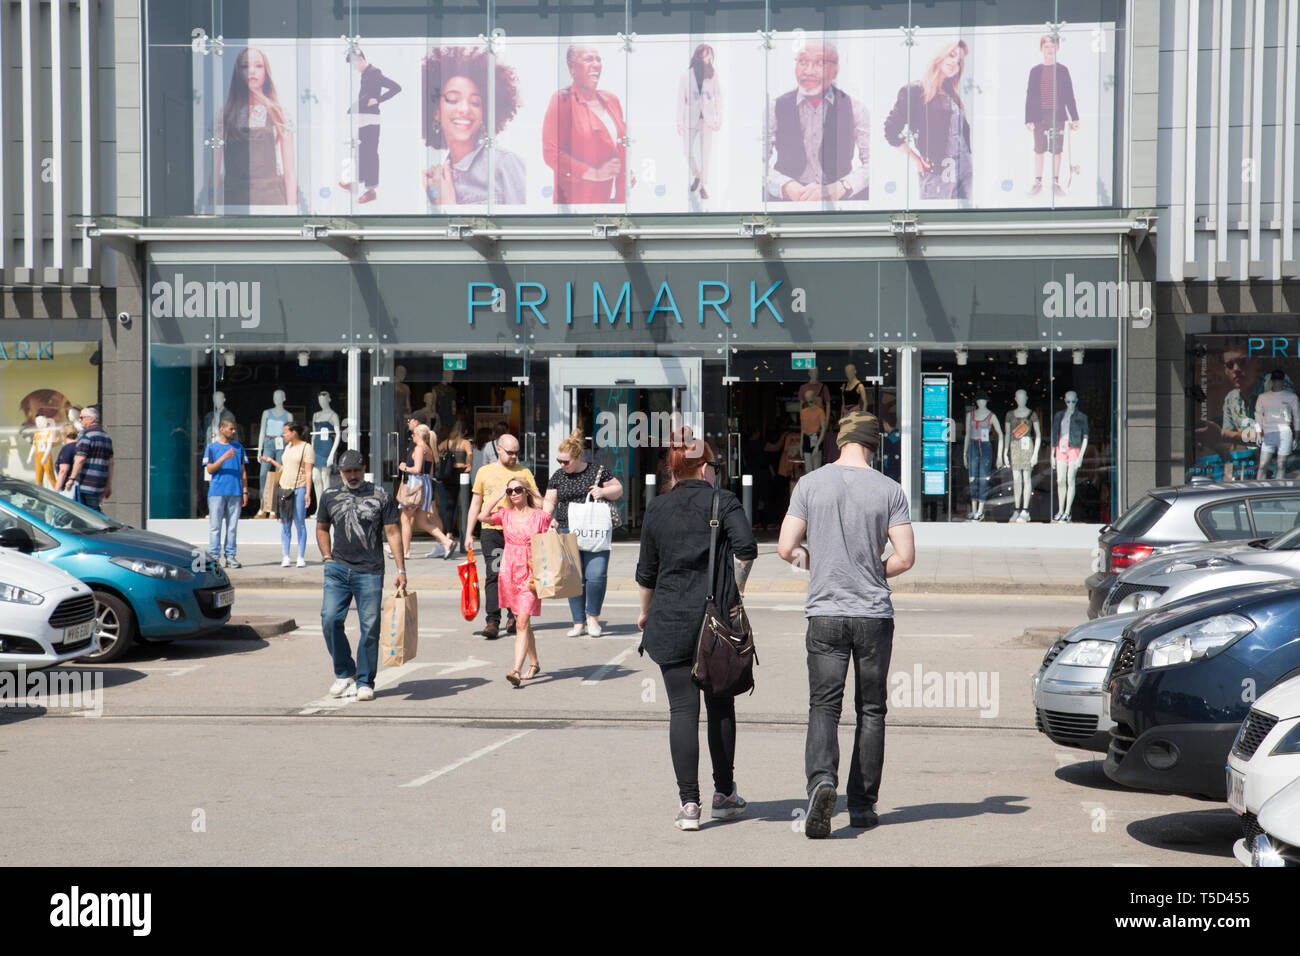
(124,319)
(1144,313)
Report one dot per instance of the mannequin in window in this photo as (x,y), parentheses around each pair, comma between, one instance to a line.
(444,395)
(401,399)
(815,387)
(812,420)
(1277,416)
(1069,442)
(42,451)
(854,393)
(213,419)
(979,452)
(1024,438)
(326,432)
(270,441)
(430,410)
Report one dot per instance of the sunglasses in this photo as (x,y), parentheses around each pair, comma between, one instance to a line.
(515,491)
(563,461)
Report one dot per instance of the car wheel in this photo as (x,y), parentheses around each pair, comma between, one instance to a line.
(116,628)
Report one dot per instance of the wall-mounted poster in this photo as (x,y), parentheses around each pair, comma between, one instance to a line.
(43,385)
(982,117)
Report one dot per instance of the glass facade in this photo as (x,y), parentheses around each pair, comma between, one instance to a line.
(277,107)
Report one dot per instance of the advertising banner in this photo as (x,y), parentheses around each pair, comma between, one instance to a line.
(988,117)
(43,386)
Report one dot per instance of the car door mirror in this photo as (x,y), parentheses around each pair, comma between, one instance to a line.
(18,539)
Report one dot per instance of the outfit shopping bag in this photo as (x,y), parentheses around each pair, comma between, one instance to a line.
(399,629)
(468,572)
(590,522)
(557,569)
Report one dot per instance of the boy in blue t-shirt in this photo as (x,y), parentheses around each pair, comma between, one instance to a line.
(224,461)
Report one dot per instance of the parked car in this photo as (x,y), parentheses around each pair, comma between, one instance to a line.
(1277,840)
(1199,512)
(1183,571)
(1183,679)
(47,616)
(1068,687)
(147,586)
(1265,757)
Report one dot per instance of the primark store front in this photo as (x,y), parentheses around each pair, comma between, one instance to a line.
(748,221)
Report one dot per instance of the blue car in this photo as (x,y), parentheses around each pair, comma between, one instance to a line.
(147,587)
(1183,680)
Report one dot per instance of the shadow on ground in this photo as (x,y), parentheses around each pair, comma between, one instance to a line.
(1203,832)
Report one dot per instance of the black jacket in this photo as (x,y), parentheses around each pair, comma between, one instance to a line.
(374,86)
(1065,108)
(675,560)
(928,121)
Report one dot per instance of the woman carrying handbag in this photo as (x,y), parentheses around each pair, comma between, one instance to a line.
(672,573)
(293,490)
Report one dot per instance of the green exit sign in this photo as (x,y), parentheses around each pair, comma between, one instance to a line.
(803,360)
(453,361)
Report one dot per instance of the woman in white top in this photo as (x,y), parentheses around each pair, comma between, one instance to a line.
(699,114)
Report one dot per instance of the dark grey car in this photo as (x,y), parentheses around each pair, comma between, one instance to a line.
(1191,514)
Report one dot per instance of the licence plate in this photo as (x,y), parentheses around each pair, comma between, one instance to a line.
(1236,790)
(78,632)
(224,598)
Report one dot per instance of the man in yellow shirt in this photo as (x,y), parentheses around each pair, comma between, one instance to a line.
(488,484)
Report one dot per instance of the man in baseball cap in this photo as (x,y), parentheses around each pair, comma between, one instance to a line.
(849,512)
(362,515)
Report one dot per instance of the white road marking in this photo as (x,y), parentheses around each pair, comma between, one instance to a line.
(387,677)
(934,635)
(604,669)
(167,669)
(482,751)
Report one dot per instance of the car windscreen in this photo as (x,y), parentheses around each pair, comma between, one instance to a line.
(1139,519)
(1290,541)
(54,509)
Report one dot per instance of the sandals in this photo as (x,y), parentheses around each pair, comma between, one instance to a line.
(513,677)
(534,670)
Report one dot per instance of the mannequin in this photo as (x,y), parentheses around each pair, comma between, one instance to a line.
(349,433)
(430,409)
(213,419)
(1024,438)
(978,453)
(445,396)
(401,398)
(812,419)
(854,392)
(42,450)
(1277,416)
(1069,442)
(325,434)
(812,388)
(270,435)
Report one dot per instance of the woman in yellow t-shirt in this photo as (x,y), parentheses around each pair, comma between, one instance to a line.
(294,469)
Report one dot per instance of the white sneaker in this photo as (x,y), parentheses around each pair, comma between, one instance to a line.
(365,693)
(576,631)
(594,630)
(285,562)
(301,563)
(340,686)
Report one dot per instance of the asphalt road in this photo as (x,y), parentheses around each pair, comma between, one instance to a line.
(221,751)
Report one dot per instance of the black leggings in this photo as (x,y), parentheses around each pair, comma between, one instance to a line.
(684,734)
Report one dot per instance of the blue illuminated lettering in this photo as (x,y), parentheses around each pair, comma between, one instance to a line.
(670,307)
(764,299)
(520,304)
(476,303)
(599,302)
(715,304)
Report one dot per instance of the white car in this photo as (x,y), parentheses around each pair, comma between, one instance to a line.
(47,616)
(1278,842)
(1264,760)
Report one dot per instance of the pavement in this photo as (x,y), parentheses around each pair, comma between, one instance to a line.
(938,570)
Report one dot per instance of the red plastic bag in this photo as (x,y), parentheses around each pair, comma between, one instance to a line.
(468,572)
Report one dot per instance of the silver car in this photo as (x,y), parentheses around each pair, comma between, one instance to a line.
(1067,689)
(1169,575)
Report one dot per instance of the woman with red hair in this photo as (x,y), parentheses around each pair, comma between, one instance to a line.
(673,576)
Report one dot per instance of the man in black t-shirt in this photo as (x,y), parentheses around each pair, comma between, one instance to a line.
(361,515)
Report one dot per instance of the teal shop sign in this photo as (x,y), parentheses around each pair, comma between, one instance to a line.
(803,360)
(454,361)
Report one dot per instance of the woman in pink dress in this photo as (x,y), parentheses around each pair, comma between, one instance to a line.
(522,519)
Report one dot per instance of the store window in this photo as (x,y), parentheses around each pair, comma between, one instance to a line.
(1016,435)
(43,387)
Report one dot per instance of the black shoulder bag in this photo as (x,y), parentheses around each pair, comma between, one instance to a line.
(284,497)
(724,655)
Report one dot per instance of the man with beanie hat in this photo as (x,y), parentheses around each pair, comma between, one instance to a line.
(849,512)
(362,515)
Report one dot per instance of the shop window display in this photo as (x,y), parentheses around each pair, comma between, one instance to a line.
(43,386)
(1028,442)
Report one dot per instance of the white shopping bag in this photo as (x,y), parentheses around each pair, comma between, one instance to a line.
(592,524)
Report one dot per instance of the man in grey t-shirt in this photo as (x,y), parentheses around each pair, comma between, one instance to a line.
(849,511)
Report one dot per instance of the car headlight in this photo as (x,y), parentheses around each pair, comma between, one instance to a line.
(1196,641)
(153,569)
(1198,564)
(1290,744)
(16,595)
(1088,653)
(1137,601)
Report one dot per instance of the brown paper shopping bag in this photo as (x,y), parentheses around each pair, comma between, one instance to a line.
(557,569)
(399,629)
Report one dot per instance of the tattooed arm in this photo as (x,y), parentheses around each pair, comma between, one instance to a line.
(741,570)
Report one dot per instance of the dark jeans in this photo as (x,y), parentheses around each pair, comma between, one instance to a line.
(89,500)
(831,641)
(684,734)
(493,543)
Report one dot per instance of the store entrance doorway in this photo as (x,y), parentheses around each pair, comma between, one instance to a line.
(626,410)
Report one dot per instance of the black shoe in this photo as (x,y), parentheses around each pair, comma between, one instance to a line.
(695,184)
(510,624)
(492,630)
(817,823)
(863,819)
